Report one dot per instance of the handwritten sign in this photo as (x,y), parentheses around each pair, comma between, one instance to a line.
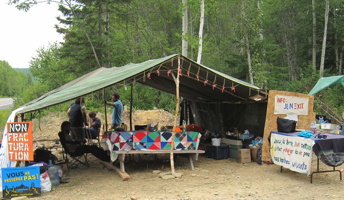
(291,105)
(20,181)
(294,153)
(19,138)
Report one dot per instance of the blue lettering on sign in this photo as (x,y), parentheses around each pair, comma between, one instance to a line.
(283,160)
(302,166)
(288,106)
(277,141)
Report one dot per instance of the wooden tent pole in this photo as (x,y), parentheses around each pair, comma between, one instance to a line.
(175,117)
(106,124)
(131,107)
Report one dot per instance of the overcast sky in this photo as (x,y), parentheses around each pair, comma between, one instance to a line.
(23,33)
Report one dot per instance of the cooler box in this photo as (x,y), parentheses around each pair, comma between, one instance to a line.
(234,146)
(217,152)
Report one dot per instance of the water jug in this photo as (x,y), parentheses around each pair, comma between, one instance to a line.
(54,174)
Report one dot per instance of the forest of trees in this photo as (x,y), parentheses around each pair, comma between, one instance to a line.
(14,83)
(274,44)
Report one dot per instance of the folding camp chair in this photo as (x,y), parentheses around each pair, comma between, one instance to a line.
(72,158)
(90,137)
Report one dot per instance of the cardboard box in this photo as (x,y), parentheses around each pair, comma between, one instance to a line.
(244,156)
(254,154)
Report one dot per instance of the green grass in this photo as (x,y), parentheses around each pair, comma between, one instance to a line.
(4,114)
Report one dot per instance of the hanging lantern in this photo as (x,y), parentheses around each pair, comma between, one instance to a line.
(169,72)
(214,86)
(158,72)
(233,89)
(149,75)
(205,82)
(223,89)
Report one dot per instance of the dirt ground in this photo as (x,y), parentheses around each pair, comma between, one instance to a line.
(211,179)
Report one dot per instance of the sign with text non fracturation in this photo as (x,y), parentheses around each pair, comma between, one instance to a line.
(20,141)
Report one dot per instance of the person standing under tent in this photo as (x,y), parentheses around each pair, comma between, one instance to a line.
(78,119)
(116,112)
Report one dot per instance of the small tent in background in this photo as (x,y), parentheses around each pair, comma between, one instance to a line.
(325,82)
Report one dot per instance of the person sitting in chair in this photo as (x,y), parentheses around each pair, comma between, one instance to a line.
(73,147)
(94,125)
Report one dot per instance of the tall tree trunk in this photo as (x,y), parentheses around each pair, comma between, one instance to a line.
(185,29)
(249,61)
(69,3)
(261,35)
(199,57)
(336,46)
(106,32)
(323,49)
(314,45)
(341,61)
(248,50)
(100,16)
(288,54)
(294,67)
(336,51)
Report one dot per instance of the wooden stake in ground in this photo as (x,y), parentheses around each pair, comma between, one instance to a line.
(105,115)
(176,80)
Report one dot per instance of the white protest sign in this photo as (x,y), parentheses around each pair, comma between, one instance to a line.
(291,105)
(294,153)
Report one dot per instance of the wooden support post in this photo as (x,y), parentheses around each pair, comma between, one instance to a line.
(191,161)
(123,175)
(121,159)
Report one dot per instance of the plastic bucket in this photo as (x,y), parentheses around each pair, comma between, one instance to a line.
(216,141)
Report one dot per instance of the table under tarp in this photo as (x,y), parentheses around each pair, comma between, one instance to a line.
(295,153)
(145,142)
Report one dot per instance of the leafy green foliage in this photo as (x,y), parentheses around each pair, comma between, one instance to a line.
(276,34)
(3,117)
(13,82)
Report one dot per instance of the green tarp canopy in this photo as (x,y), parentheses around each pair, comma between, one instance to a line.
(197,83)
(326,82)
